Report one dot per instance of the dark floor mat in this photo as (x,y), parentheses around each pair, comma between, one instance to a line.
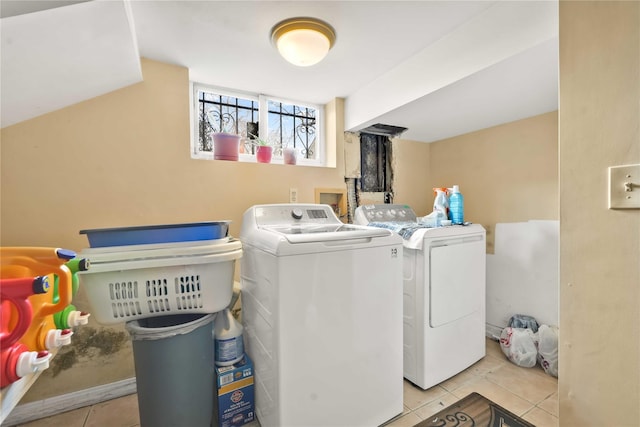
(474,410)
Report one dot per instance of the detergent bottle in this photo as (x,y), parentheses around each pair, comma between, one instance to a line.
(440,205)
(229,347)
(456,206)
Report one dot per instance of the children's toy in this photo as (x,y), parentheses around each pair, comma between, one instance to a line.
(21,262)
(15,358)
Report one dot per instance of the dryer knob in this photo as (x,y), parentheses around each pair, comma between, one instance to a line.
(296,213)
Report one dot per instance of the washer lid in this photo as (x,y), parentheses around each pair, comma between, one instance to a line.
(305,233)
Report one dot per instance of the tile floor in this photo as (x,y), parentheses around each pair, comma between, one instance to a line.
(527,392)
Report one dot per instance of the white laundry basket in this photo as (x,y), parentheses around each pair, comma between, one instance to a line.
(133,282)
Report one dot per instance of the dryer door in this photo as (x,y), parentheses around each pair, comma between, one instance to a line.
(457,278)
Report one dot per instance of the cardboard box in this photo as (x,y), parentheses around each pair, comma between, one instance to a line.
(235,404)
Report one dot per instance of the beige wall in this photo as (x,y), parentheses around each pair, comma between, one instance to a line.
(599,248)
(506,173)
(123,159)
(412,175)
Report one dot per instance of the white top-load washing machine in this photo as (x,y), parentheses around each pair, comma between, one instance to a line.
(322,311)
(444,293)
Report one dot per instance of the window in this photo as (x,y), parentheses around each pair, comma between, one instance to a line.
(282,122)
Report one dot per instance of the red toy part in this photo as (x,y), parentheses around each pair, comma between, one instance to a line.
(16,292)
(17,361)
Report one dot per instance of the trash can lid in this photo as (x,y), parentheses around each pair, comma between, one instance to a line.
(161,327)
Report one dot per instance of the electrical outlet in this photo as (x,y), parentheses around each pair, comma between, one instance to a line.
(624,187)
(293,195)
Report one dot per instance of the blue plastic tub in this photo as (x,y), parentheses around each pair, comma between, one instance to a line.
(168,233)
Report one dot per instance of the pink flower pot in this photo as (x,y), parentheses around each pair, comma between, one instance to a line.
(264,153)
(290,156)
(225,146)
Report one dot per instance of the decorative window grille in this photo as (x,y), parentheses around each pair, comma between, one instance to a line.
(294,126)
(282,123)
(223,113)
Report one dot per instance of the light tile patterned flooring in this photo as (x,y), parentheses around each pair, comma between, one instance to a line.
(527,392)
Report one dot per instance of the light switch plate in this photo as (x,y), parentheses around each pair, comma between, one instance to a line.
(624,187)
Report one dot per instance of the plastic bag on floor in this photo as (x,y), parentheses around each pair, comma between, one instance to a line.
(520,346)
(548,349)
(523,321)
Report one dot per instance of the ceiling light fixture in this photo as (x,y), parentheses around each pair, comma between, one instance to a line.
(303,41)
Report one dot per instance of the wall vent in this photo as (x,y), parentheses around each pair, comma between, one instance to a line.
(385,130)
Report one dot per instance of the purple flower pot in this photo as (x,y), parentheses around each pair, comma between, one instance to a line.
(225,146)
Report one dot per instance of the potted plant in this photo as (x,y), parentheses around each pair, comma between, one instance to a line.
(290,155)
(264,149)
(225,143)
(225,146)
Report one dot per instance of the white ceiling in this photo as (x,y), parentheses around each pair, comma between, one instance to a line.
(438,68)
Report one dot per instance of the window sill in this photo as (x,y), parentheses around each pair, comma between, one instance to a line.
(246,158)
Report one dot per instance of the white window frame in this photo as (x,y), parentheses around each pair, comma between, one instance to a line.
(263,120)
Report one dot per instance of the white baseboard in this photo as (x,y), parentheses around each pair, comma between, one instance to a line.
(493,331)
(66,402)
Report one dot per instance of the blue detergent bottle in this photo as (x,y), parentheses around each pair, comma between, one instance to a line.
(440,205)
(456,206)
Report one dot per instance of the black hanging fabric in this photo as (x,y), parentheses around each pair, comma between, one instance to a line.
(375,163)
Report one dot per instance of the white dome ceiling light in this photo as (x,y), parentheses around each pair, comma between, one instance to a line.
(303,41)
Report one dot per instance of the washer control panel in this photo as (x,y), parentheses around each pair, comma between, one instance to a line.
(366,214)
(295,214)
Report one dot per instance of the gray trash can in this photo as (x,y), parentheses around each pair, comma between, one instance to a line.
(174,366)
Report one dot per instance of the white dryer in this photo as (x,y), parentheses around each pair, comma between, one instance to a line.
(444,293)
(322,311)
